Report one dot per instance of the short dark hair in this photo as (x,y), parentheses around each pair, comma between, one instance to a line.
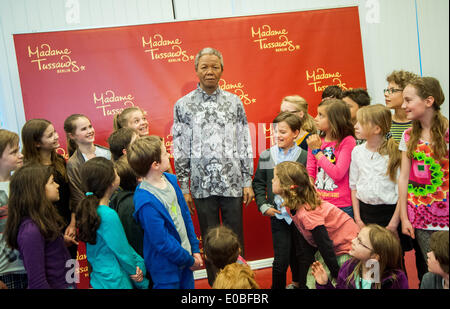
(143,152)
(221,246)
(332,91)
(294,122)
(439,246)
(359,95)
(120,140)
(128,177)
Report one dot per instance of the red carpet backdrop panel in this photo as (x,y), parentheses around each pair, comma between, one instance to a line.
(99,72)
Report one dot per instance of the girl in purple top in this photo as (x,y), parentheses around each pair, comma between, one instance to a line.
(376,263)
(329,154)
(34,228)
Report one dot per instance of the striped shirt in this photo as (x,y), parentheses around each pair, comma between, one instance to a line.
(397,129)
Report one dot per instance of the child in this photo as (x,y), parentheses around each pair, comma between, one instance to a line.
(322,226)
(40,142)
(122,202)
(287,127)
(236,276)
(119,141)
(423,183)
(355,99)
(332,92)
(132,117)
(34,227)
(80,145)
(298,106)
(437,277)
(375,263)
(171,248)
(397,81)
(12,271)
(329,155)
(374,167)
(115,264)
(221,247)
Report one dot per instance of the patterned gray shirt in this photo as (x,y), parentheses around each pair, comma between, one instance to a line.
(212,144)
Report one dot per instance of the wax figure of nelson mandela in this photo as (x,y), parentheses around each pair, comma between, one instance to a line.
(212,150)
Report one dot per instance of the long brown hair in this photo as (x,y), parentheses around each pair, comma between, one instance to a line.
(387,246)
(32,133)
(339,118)
(296,186)
(97,175)
(430,87)
(379,115)
(70,128)
(27,198)
(221,246)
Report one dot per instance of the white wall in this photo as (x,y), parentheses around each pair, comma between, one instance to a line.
(388,30)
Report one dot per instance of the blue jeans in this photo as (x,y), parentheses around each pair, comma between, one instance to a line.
(348,210)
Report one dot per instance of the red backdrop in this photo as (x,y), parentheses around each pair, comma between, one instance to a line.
(99,72)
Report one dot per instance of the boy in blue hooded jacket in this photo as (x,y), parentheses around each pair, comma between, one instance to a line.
(171,248)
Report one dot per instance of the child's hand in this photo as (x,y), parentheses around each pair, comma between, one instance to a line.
(407,228)
(271,212)
(139,276)
(319,273)
(314,142)
(69,241)
(198,262)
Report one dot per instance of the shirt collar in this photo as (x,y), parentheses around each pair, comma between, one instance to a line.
(290,150)
(209,97)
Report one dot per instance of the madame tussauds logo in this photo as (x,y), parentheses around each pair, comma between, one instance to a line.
(268,38)
(110,103)
(161,48)
(50,59)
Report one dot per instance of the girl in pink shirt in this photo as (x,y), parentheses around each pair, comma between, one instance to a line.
(329,153)
(322,226)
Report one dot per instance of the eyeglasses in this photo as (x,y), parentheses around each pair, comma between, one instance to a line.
(363,245)
(392,90)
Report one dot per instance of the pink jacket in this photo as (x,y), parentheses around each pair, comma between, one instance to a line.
(331,172)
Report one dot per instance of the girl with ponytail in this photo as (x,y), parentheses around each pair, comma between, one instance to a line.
(320,226)
(132,117)
(424,179)
(374,168)
(115,264)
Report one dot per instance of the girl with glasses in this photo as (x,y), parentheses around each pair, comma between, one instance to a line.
(375,263)
(397,80)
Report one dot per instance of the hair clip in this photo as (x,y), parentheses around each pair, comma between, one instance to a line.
(388,135)
(293,187)
(89,193)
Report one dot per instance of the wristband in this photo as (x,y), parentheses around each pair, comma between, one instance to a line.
(316,151)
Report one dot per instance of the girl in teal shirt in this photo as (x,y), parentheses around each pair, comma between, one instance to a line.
(115,264)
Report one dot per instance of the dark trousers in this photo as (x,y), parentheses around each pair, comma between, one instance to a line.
(284,252)
(305,257)
(209,211)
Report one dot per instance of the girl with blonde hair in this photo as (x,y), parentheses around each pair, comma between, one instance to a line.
(297,105)
(132,117)
(374,168)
